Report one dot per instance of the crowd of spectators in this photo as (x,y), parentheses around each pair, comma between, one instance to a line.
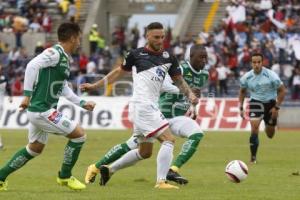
(270,27)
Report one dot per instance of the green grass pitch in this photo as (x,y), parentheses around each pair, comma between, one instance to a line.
(270,179)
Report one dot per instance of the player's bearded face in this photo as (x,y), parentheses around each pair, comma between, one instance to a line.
(155,39)
(256,63)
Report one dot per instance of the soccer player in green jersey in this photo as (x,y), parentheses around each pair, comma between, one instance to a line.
(174,106)
(45,81)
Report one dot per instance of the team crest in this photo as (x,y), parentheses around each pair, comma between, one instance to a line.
(160,73)
(165,54)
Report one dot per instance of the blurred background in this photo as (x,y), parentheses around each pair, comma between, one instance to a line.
(230,29)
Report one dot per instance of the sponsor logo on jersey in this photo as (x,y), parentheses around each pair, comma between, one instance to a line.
(189,74)
(55,117)
(144,54)
(160,72)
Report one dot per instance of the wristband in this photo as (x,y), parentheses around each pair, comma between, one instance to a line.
(82,103)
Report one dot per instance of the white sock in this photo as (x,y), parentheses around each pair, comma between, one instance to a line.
(164,159)
(129,159)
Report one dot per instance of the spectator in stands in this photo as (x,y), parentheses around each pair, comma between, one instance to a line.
(38,48)
(72,11)
(17,86)
(93,39)
(296,84)
(35,25)
(134,37)
(13,55)
(46,22)
(213,81)
(83,61)
(223,73)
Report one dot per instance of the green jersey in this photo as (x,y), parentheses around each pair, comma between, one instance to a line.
(45,78)
(174,104)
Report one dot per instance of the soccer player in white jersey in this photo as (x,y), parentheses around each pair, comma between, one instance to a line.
(4,88)
(174,107)
(45,81)
(266,95)
(149,66)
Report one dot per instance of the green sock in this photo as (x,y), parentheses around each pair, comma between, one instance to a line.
(188,149)
(71,155)
(15,163)
(113,154)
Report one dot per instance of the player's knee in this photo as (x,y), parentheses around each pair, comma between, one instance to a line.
(254,130)
(80,139)
(34,149)
(81,132)
(270,133)
(196,136)
(145,154)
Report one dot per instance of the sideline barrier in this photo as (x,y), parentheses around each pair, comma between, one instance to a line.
(112,113)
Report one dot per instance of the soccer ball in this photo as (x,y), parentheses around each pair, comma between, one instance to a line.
(236,171)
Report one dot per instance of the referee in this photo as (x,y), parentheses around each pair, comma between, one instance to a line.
(266,95)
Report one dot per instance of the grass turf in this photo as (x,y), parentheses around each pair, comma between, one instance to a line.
(269,179)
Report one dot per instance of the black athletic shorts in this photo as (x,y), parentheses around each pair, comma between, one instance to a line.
(259,109)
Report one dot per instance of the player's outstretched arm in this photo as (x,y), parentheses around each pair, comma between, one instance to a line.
(68,93)
(185,89)
(109,78)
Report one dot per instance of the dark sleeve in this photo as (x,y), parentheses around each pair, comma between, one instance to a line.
(174,69)
(128,61)
(8,90)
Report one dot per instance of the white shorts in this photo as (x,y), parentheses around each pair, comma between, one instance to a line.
(148,121)
(181,126)
(51,121)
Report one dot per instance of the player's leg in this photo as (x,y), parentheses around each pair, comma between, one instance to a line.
(254,140)
(270,131)
(256,113)
(53,121)
(112,155)
(37,140)
(269,121)
(130,158)
(184,127)
(117,151)
(164,159)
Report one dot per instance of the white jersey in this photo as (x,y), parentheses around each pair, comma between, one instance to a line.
(149,70)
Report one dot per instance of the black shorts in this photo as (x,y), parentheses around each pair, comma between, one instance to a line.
(258,109)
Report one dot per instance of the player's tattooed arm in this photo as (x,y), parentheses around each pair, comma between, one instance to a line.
(185,89)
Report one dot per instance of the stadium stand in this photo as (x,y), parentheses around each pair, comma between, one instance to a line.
(270,27)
